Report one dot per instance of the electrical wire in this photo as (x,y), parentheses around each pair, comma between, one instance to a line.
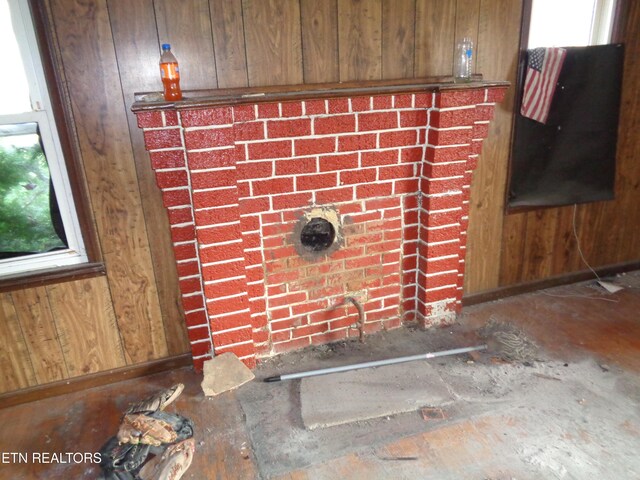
(575,234)
(576,295)
(584,260)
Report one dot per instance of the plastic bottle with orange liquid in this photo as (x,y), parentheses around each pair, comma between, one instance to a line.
(170,74)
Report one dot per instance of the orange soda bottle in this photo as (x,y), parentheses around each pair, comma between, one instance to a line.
(170,74)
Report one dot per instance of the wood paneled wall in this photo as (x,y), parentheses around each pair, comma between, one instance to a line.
(58,332)
(109,49)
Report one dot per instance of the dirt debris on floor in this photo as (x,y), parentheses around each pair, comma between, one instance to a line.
(544,403)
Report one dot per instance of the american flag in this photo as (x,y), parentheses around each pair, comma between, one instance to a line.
(543,70)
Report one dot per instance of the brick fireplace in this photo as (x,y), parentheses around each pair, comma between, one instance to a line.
(305,215)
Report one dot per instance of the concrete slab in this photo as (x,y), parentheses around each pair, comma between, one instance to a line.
(223,373)
(340,398)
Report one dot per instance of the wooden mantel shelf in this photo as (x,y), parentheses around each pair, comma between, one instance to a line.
(278,93)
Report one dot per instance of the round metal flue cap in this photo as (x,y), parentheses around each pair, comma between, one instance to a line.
(317,235)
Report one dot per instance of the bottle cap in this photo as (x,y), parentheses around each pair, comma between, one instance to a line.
(166,46)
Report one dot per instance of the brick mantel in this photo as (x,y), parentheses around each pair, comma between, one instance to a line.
(388,165)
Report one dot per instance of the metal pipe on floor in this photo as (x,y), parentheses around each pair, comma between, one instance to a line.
(376,363)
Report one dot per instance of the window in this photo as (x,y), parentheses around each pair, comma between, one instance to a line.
(570,23)
(568,156)
(39,228)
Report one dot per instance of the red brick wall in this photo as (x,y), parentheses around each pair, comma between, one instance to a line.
(395,172)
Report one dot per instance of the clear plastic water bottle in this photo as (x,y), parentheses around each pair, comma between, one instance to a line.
(463,62)
(170,74)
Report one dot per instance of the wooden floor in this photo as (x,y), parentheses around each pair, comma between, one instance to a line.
(83,421)
(574,322)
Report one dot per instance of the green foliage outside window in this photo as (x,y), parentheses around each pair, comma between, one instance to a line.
(25,218)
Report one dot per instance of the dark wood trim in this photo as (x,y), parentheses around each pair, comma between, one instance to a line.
(50,276)
(62,112)
(619,21)
(40,392)
(565,279)
(537,208)
(236,96)
(525,25)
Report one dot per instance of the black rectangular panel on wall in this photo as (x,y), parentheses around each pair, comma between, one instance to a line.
(571,159)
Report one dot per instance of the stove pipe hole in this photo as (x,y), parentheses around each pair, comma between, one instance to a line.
(317,235)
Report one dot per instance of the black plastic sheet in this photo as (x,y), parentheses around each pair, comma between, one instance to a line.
(571,159)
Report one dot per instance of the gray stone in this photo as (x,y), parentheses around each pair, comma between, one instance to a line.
(340,398)
(223,373)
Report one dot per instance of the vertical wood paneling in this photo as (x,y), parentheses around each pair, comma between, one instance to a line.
(512,244)
(186,25)
(435,32)
(16,371)
(360,39)
(319,23)
(564,258)
(498,37)
(541,244)
(37,323)
(136,43)
(398,38)
(467,18)
(137,47)
(89,334)
(597,248)
(628,179)
(273,40)
(228,43)
(86,43)
(582,222)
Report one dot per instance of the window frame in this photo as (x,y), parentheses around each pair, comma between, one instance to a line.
(598,28)
(73,186)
